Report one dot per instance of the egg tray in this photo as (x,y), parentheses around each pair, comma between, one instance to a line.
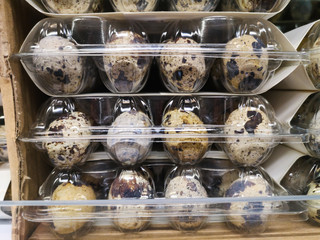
(70,56)
(212,209)
(67,130)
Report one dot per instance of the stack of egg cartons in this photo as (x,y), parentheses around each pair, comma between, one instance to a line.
(153,118)
(299,108)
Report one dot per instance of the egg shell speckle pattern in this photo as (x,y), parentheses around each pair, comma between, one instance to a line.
(184,72)
(61,215)
(66,154)
(256,221)
(313,206)
(131,150)
(71,6)
(126,73)
(134,5)
(250,150)
(256,5)
(130,184)
(245,71)
(187,187)
(181,149)
(226,180)
(193,5)
(64,73)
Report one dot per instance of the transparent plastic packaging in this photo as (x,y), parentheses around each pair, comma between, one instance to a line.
(217,176)
(311,44)
(193,5)
(245,127)
(252,182)
(308,118)
(250,203)
(65,186)
(99,174)
(185,182)
(133,114)
(132,184)
(134,6)
(245,63)
(186,72)
(303,179)
(61,118)
(300,175)
(124,72)
(252,116)
(72,6)
(56,64)
(249,5)
(62,55)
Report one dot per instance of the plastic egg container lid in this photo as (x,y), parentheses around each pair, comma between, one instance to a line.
(311,41)
(91,36)
(207,119)
(308,116)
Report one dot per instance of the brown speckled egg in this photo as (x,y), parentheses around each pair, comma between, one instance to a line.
(313,206)
(68,153)
(71,6)
(247,149)
(62,224)
(184,150)
(186,187)
(131,184)
(64,73)
(126,73)
(183,72)
(256,220)
(134,5)
(194,5)
(245,72)
(132,150)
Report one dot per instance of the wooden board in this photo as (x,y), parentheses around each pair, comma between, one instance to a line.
(277,230)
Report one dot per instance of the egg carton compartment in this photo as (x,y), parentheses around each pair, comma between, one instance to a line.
(307,118)
(251,202)
(67,130)
(299,175)
(76,55)
(299,111)
(262,8)
(306,76)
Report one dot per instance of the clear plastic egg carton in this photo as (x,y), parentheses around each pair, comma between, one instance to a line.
(99,7)
(303,179)
(67,130)
(306,76)
(307,117)
(311,43)
(193,198)
(64,56)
